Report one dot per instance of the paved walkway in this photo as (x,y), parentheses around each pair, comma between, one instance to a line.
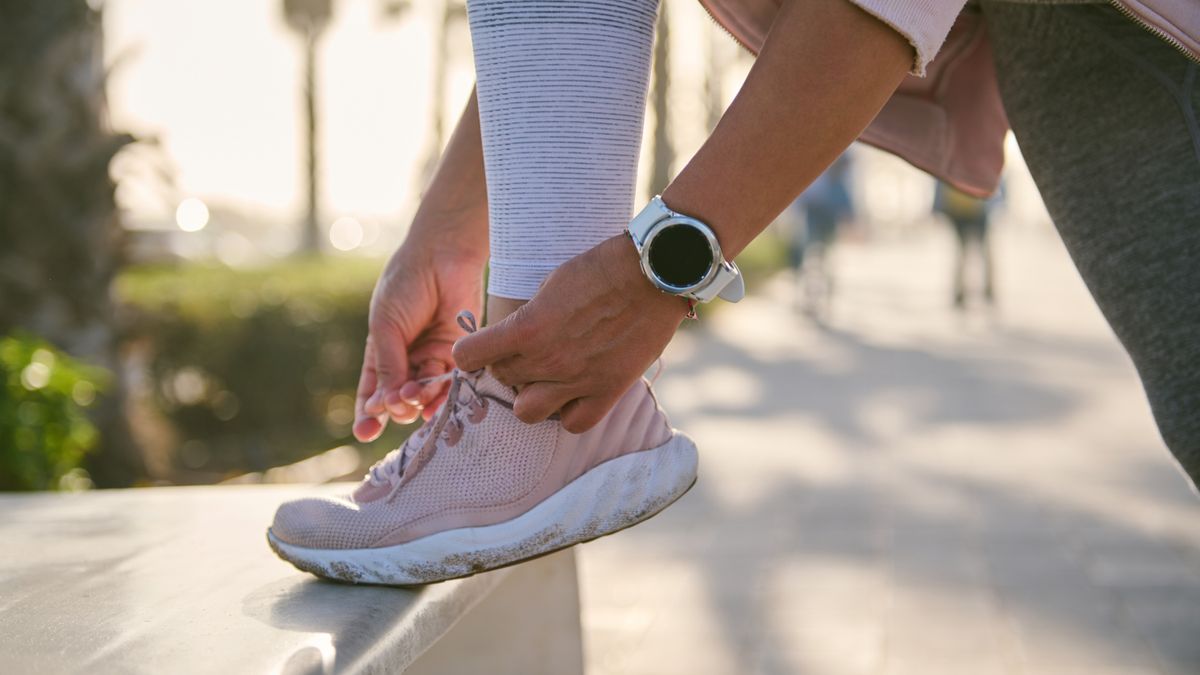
(909,491)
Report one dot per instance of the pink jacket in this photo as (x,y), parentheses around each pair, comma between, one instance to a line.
(951,123)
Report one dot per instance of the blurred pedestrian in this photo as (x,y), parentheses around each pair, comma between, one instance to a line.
(819,211)
(968,215)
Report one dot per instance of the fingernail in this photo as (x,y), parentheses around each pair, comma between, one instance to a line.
(396,405)
(365,431)
(407,417)
(411,393)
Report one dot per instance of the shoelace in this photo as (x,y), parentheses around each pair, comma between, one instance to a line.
(401,464)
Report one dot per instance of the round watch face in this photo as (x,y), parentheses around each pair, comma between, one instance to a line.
(681,255)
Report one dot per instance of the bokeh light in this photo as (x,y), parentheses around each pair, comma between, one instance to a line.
(346,234)
(35,376)
(83,393)
(191,215)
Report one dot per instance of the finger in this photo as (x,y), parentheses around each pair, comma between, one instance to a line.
(582,414)
(368,429)
(430,410)
(397,408)
(432,353)
(522,369)
(515,371)
(368,424)
(391,367)
(394,404)
(488,345)
(540,400)
(420,393)
(409,415)
(411,392)
(374,406)
(366,381)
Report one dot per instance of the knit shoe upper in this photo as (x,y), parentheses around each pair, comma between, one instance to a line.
(473,464)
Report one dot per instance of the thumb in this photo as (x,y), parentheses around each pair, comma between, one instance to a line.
(488,345)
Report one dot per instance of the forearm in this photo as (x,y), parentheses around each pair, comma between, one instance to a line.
(823,74)
(454,208)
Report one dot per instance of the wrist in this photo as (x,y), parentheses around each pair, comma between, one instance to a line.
(435,256)
(459,235)
(625,269)
(719,217)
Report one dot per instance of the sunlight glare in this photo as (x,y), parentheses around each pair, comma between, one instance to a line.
(191,215)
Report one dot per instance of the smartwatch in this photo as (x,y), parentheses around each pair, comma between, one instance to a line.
(681,256)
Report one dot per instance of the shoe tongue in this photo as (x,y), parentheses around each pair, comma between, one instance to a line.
(369,492)
(490,386)
(485,384)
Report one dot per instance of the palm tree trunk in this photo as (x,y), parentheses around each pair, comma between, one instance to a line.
(58,222)
(663,153)
(312,230)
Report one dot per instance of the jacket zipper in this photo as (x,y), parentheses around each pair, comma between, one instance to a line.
(1155,31)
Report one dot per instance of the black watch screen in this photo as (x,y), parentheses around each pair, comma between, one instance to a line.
(681,255)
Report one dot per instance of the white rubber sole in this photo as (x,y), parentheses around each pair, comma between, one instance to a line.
(611,497)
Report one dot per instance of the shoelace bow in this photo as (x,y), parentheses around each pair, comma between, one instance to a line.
(398,466)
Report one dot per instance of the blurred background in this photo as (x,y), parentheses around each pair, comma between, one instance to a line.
(195,201)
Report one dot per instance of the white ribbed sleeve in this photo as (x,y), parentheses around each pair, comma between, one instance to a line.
(562,96)
(924,23)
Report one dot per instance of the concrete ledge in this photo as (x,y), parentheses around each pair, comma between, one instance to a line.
(181,580)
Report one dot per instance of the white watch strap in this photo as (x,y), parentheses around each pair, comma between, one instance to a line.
(726,284)
(735,289)
(655,211)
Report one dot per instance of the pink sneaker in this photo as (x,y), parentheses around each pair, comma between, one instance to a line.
(476,489)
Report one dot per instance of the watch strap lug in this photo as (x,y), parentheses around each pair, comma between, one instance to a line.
(726,284)
(735,290)
(645,220)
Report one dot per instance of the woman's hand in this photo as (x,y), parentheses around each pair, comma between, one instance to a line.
(593,328)
(434,275)
(412,328)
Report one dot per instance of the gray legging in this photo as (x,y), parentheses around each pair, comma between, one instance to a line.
(1106,116)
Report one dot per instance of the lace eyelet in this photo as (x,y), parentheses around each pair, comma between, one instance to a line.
(453,433)
(478,410)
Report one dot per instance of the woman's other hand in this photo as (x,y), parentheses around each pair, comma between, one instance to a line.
(593,328)
(412,328)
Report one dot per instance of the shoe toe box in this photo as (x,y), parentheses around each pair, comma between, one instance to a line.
(317,522)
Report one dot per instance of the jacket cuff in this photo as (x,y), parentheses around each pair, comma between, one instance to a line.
(924,23)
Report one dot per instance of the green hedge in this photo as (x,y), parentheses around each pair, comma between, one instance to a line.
(252,369)
(44,429)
